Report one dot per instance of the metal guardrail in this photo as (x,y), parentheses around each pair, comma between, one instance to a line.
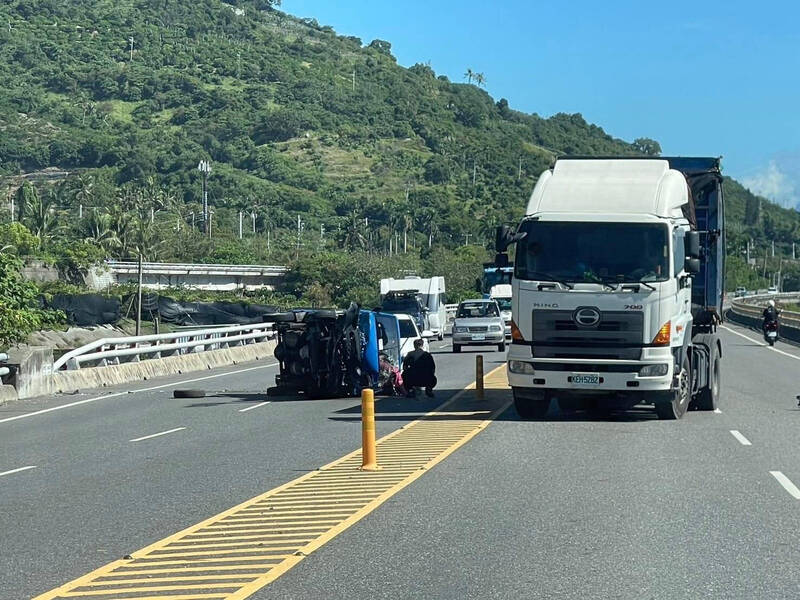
(747,306)
(112,350)
(149,268)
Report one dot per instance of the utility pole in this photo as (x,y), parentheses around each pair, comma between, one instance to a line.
(192,213)
(139,300)
(152,214)
(519,173)
(268,232)
(210,214)
(354,79)
(80,211)
(241,215)
(130,39)
(748,252)
(13,210)
(205,168)
(253,216)
(793,256)
(474,171)
(773,248)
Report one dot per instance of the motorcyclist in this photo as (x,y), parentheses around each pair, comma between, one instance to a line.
(770,314)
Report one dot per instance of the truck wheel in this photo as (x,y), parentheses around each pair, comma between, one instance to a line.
(456,348)
(674,403)
(501,347)
(708,397)
(531,407)
(440,336)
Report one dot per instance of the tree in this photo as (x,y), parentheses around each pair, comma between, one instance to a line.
(480,79)
(437,170)
(647,147)
(19,312)
(381,46)
(469,75)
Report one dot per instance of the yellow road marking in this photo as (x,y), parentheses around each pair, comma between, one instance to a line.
(266,536)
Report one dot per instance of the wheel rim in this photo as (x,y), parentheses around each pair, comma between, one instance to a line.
(683,386)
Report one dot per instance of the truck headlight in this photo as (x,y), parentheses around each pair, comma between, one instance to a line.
(519,366)
(495,328)
(654,370)
(459,329)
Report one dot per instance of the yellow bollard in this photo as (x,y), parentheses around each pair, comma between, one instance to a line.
(479,376)
(369,458)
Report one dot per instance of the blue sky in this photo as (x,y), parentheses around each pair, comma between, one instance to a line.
(703,78)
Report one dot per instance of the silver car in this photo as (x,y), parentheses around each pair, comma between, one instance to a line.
(479,323)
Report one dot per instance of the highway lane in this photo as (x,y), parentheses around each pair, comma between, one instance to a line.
(570,507)
(96,495)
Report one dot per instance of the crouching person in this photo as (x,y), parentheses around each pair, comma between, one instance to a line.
(419,370)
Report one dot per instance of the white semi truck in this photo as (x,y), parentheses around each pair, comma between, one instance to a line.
(617,286)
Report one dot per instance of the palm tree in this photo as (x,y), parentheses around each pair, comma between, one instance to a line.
(98,228)
(84,189)
(469,75)
(352,237)
(480,78)
(40,217)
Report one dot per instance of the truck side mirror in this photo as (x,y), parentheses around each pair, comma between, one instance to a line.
(505,236)
(693,244)
(692,265)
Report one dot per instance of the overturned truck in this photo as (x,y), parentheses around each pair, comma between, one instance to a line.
(332,353)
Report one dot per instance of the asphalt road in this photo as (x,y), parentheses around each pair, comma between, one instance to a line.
(624,508)
(569,507)
(99,491)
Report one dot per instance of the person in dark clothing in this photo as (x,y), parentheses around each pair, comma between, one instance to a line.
(419,370)
(770,313)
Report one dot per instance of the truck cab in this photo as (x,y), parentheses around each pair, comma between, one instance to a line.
(615,298)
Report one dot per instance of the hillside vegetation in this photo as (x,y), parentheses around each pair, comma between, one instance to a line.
(322,142)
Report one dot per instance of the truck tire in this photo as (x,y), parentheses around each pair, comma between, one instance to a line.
(189,394)
(708,397)
(456,348)
(529,408)
(501,347)
(674,403)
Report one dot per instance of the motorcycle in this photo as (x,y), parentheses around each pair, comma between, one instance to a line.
(771,332)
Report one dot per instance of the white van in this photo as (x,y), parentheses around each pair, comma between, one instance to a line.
(431,293)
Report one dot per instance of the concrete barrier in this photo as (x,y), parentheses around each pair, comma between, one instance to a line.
(8,393)
(32,367)
(97,377)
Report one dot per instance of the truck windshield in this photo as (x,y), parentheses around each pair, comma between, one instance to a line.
(593,252)
(404,306)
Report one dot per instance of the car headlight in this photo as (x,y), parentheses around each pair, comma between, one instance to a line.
(460,329)
(654,370)
(495,328)
(519,366)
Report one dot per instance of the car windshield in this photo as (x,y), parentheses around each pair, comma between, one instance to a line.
(407,329)
(505,303)
(592,252)
(471,310)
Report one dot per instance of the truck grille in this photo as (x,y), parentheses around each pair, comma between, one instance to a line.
(478,329)
(618,336)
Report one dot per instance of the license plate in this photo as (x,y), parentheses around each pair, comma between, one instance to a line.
(585,379)
(478,337)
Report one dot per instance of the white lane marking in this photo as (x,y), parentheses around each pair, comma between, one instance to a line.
(147,437)
(786,483)
(125,393)
(742,440)
(17,470)
(794,356)
(255,406)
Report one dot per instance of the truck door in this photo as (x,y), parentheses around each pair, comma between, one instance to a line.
(389,328)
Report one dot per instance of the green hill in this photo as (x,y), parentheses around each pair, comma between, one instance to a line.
(126,96)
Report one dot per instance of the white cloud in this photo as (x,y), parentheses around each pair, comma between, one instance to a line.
(776,182)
